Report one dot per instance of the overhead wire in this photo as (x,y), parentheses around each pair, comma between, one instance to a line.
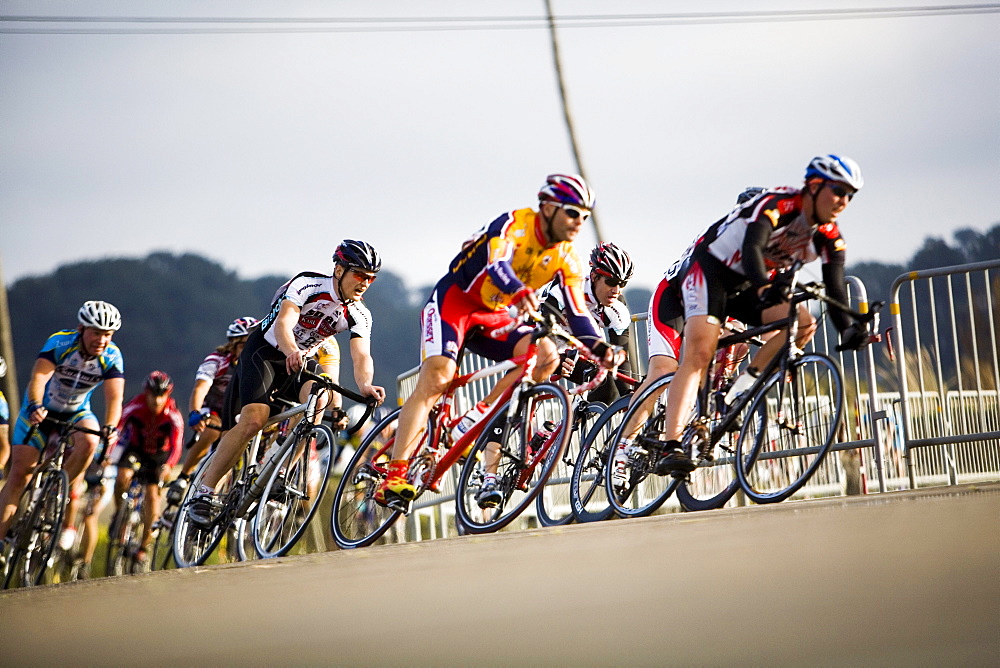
(12,24)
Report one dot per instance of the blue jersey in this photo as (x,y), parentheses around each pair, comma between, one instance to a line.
(4,410)
(76,374)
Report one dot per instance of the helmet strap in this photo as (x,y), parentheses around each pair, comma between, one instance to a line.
(814,196)
(547,220)
(340,281)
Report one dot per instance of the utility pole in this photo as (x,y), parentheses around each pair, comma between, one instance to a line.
(565,108)
(7,350)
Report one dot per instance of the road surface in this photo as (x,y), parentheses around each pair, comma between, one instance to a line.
(905,578)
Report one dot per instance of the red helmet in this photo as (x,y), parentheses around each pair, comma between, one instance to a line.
(158,383)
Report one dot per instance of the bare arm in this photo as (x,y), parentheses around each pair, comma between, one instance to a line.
(284,326)
(364,369)
(198,394)
(114,393)
(40,375)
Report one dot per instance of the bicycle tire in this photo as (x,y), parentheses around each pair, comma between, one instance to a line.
(777,455)
(293,493)
(356,520)
(587,493)
(162,539)
(645,492)
(193,545)
(33,553)
(118,539)
(522,470)
(554,504)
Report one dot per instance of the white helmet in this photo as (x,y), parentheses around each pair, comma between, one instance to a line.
(3,367)
(241,327)
(836,168)
(100,315)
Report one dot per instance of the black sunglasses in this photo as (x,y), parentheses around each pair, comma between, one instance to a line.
(614,282)
(841,191)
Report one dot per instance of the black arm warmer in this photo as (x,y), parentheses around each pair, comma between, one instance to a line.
(833,278)
(757,236)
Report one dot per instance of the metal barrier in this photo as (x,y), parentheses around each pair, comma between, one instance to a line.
(945,328)
(943,429)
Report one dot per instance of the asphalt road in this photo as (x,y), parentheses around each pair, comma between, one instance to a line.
(895,579)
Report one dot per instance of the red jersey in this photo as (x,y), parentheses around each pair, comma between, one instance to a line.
(153,434)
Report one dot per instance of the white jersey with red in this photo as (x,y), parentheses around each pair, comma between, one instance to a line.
(217,369)
(323,313)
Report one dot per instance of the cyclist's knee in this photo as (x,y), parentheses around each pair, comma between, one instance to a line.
(661,365)
(253,417)
(435,375)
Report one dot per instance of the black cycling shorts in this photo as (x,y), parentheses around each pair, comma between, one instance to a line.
(151,467)
(259,377)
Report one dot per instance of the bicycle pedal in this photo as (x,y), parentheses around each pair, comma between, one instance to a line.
(398,504)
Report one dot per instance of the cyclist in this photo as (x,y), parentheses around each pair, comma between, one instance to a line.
(210,383)
(306,313)
(610,270)
(152,432)
(734,269)
(71,364)
(500,266)
(4,423)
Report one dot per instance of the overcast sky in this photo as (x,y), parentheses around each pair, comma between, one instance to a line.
(262,150)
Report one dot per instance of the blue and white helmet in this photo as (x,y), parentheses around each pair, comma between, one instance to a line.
(836,168)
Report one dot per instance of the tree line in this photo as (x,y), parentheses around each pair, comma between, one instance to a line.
(176,307)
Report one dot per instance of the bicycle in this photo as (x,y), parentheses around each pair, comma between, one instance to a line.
(163,528)
(588,500)
(555,505)
(804,406)
(68,564)
(357,520)
(39,518)
(276,487)
(126,528)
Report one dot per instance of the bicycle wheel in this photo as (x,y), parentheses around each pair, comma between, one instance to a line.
(790,426)
(356,519)
(162,538)
(525,459)
(192,545)
(121,538)
(292,493)
(586,488)
(553,505)
(643,492)
(40,533)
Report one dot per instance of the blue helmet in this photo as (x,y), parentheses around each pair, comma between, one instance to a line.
(835,168)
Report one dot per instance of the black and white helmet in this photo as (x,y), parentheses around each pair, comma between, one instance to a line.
(749,194)
(3,367)
(358,255)
(241,327)
(835,168)
(100,315)
(611,261)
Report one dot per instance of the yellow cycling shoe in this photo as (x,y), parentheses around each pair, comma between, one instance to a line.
(395,483)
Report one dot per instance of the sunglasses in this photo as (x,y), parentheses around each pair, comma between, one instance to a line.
(573,211)
(841,191)
(614,282)
(364,276)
